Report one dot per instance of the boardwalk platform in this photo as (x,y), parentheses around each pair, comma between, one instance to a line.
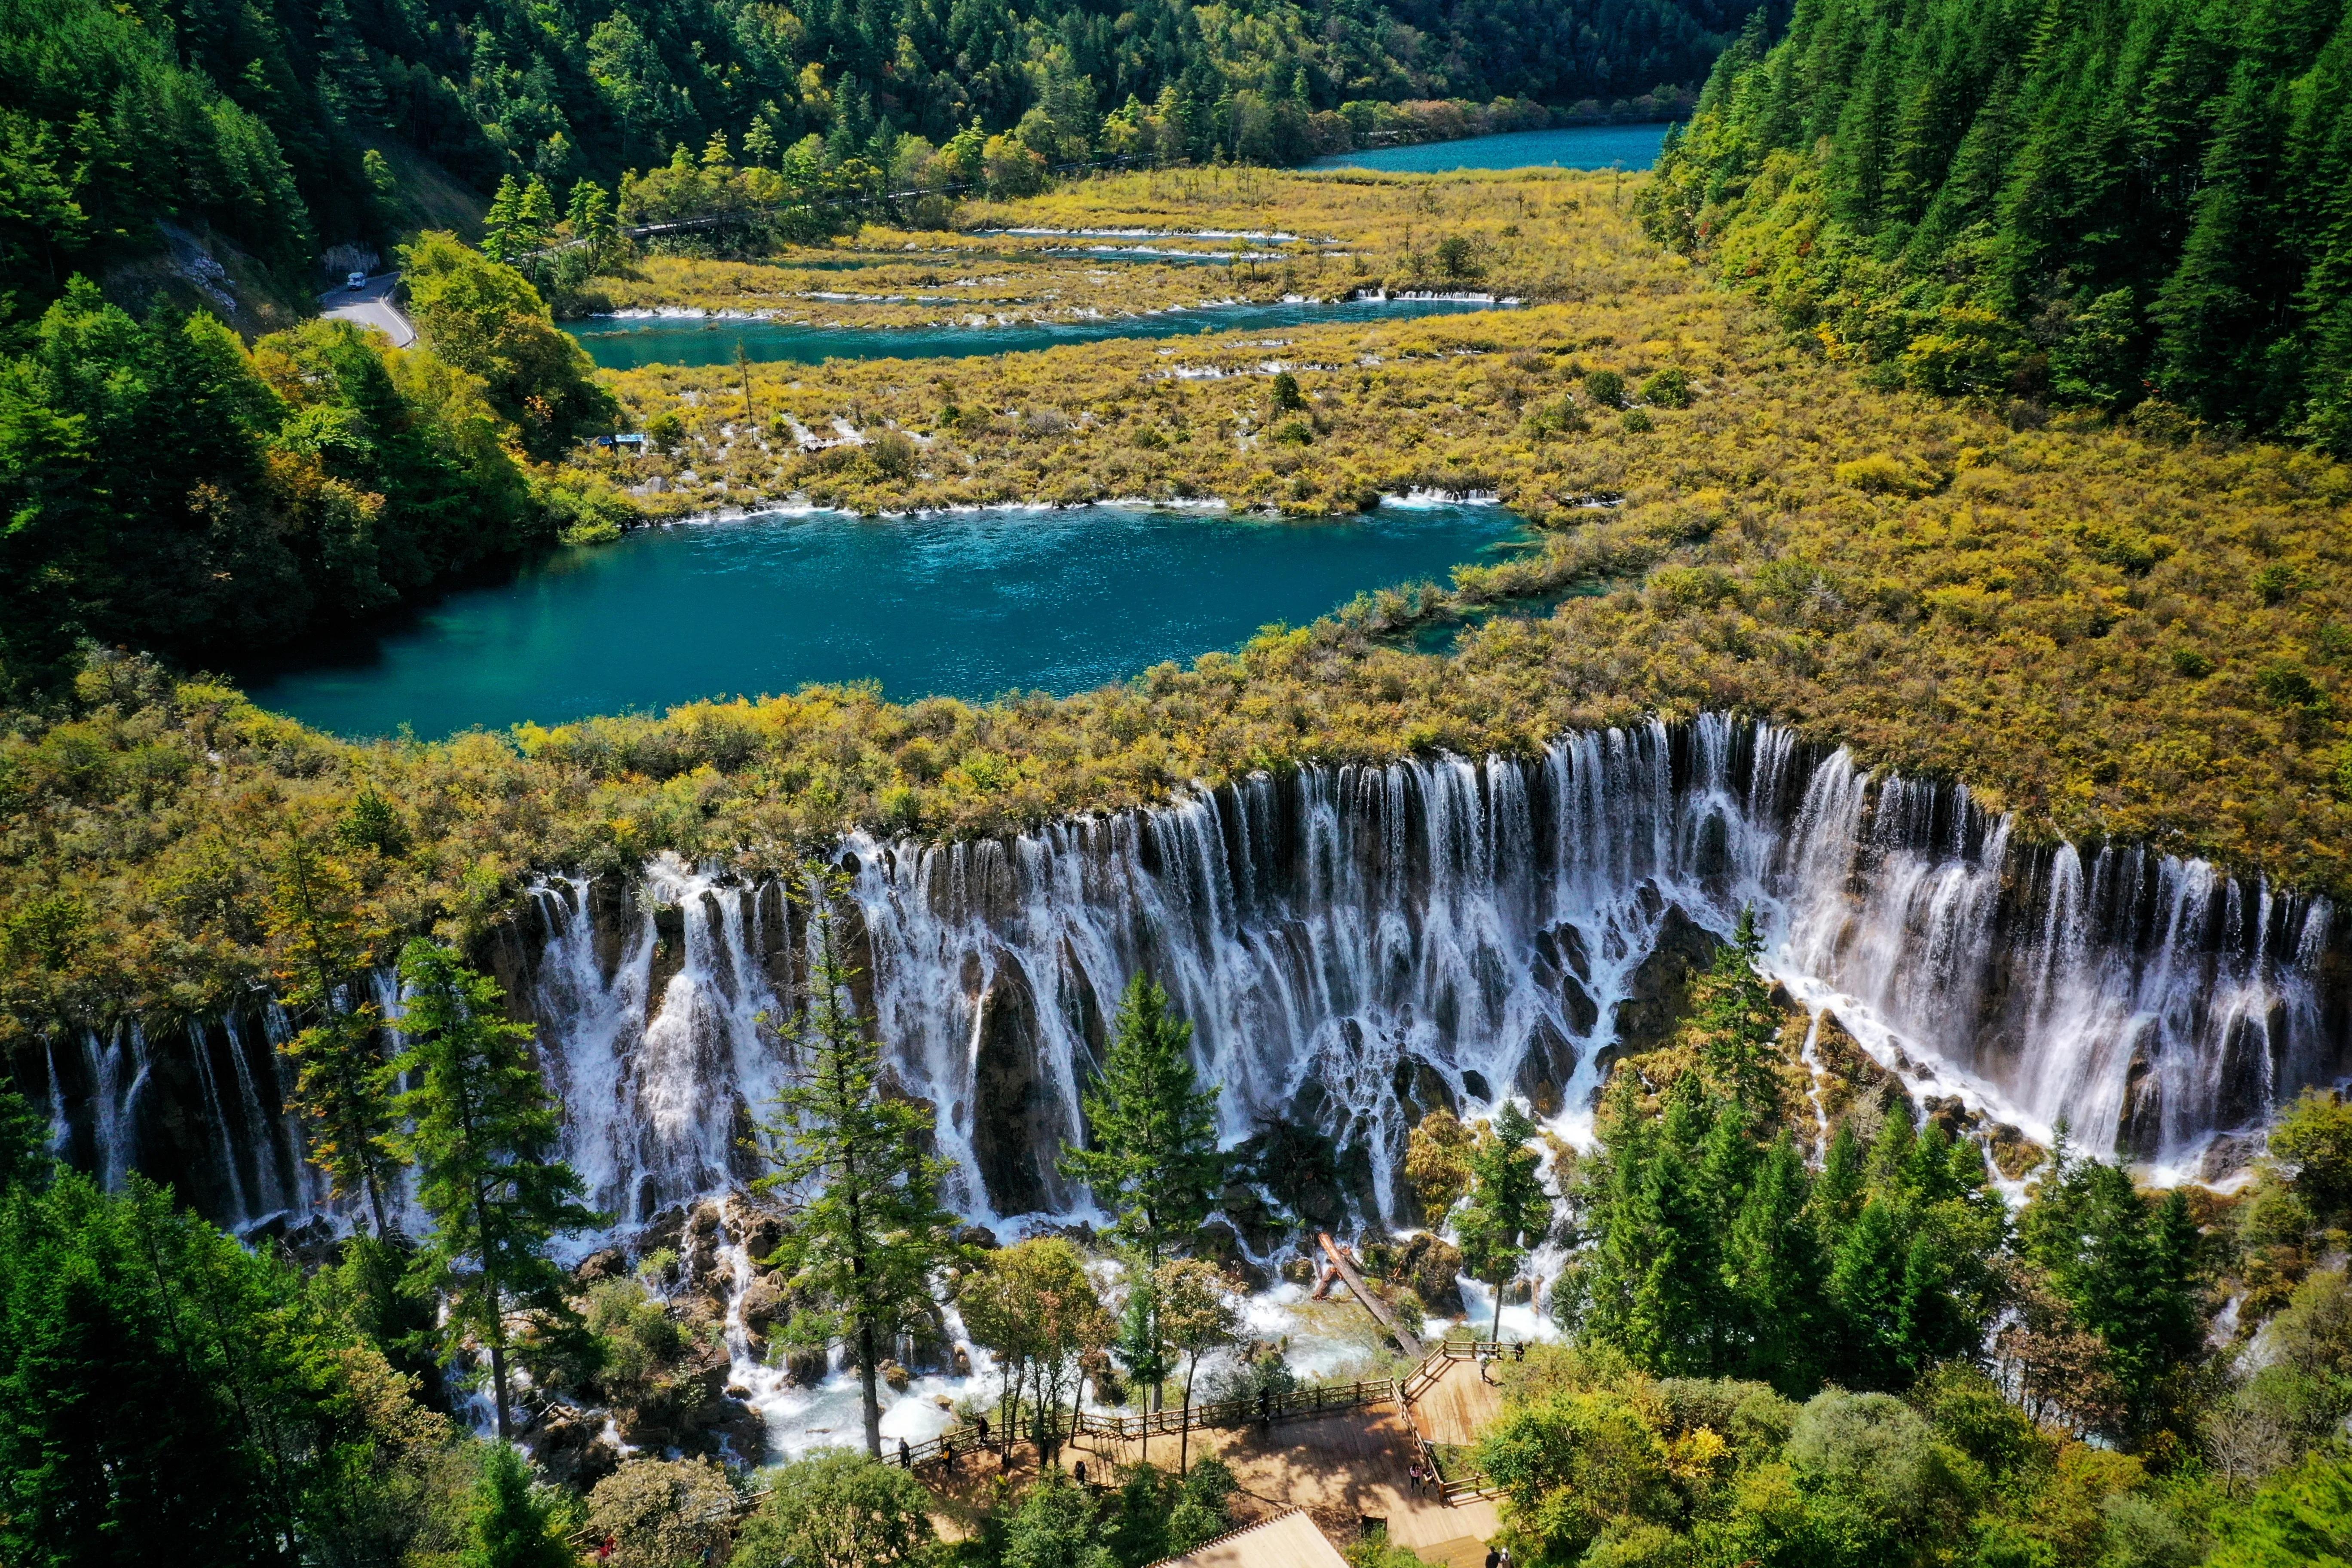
(1458,1406)
(1342,1470)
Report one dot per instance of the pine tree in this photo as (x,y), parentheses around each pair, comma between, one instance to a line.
(1673,1275)
(25,1162)
(1152,1157)
(2128,1269)
(1734,1025)
(1509,1211)
(155,1404)
(343,1085)
(483,1136)
(1776,1270)
(759,145)
(850,1164)
(515,1523)
(534,215)
(501,226)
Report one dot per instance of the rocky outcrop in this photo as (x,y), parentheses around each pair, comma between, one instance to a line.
(1432,1267)
(1657,996)
(1849,1077)
(1547,1068)
(1017,1121)
(572,1448)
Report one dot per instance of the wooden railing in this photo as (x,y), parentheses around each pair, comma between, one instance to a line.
(1319,1399)
(1466,1482)
(1298,1403)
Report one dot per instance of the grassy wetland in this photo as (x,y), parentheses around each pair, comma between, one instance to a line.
(2115,632)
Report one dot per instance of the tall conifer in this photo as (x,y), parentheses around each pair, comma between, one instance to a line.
(1509,1211)
(343,1084)
(483,1139)
(851,1164)
(1151,1132)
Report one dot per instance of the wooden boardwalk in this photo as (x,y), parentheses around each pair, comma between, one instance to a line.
(1458,1406)
(1342,1470)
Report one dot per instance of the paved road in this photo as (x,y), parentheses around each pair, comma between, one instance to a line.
(371,305)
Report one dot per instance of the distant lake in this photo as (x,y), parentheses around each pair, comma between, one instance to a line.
(626,342)
(1574,147)
(969,604)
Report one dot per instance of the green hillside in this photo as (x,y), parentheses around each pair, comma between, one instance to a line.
(290,128)
(2102,204)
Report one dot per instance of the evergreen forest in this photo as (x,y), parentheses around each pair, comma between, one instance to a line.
(2130,205)
(288,128)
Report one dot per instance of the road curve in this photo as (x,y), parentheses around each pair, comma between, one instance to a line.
(371,305)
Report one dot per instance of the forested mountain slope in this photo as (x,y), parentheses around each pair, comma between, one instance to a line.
(2100,202)
(283,126)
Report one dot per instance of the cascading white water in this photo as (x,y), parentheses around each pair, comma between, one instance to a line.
(1354,944)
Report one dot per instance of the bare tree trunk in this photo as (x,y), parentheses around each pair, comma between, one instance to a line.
(1013,1411)
(1184,1438)
(499,1381)
(866,1378)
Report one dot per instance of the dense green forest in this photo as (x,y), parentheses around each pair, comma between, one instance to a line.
(291,127)
(166,487)
(2126,203)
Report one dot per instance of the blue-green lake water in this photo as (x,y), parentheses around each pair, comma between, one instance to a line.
(1572,147)
(970,605)
(625,343)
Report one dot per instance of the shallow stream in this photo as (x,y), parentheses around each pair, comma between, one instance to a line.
(626,342)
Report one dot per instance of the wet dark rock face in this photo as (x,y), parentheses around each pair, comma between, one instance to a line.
(1018,1124)
(1356,946)
(1658,998)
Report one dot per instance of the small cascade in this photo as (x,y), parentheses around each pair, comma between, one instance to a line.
(60,1124)
(1355,946)
(227,1145)
(272,1192)
(114,1104)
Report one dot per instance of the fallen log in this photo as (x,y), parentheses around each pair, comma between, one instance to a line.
(1372,1304)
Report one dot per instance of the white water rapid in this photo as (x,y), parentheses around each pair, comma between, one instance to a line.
(1356,944)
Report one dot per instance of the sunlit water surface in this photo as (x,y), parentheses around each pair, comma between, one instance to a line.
(967,605)
(1573,147)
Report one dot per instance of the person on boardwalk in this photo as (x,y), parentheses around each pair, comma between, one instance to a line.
(1082,1472)
(906,1456)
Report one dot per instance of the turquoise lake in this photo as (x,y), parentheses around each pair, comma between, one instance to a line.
(618,343)
(1573,147)
(967,606)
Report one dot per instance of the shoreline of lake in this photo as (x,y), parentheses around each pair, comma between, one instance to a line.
(969,604)
(1635,146)
(667,336)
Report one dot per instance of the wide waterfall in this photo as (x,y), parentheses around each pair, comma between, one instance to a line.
(1355,946)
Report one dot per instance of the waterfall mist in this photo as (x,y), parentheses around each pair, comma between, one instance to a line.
(1355,946)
